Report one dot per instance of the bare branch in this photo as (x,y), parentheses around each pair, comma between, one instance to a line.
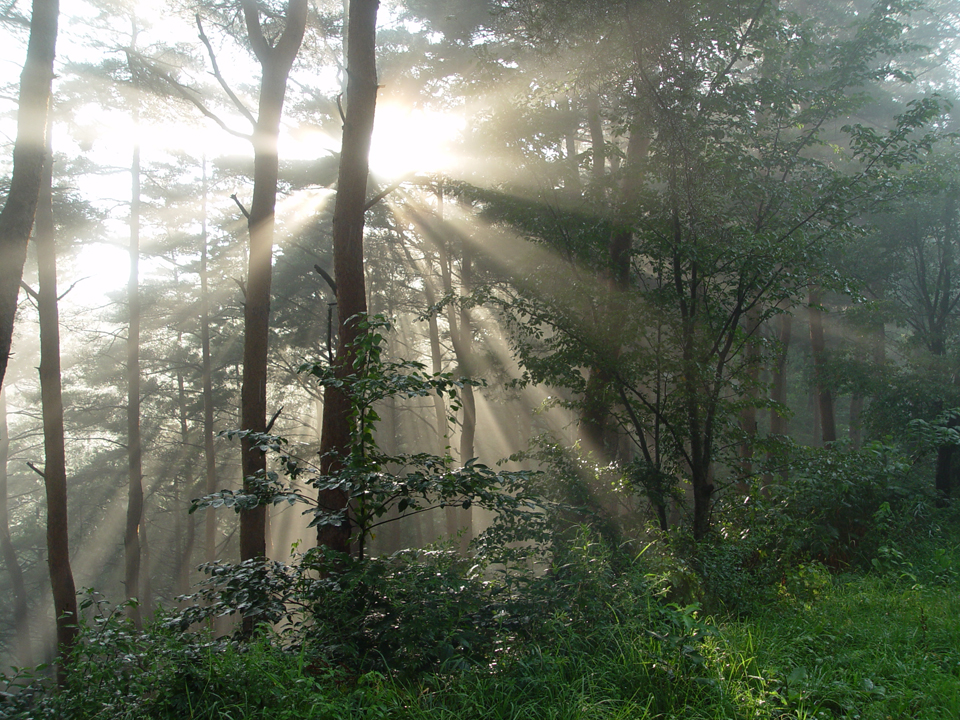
(30,291)
(326,276)
(187,94)
(219,77)
(37,470)
(62,295)
(240,205)
(273,420)
(386,191)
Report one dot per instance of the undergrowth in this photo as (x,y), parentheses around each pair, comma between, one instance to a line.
(884,643)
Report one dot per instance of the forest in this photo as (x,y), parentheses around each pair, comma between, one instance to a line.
(480,359)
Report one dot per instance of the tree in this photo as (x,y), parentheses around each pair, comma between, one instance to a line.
(739,201)
(17,216)
(133,539)
(276,59)
(348,220)
(21,609)
(55,469)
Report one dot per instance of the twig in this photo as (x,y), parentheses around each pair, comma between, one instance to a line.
(37,470)
(62,295)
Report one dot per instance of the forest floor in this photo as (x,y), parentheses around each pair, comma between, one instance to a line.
(869,647)
(863,648)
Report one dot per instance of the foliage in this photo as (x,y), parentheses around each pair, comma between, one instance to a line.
(603,648)
(375,482)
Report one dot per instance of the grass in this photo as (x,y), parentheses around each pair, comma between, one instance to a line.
(861,647)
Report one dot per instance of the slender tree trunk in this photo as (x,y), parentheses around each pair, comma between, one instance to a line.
(459,521)
(748,416)
(778,418)
(21,610)
(824,396)
(16,219)
(595,125)
(133,535)
(209,449)
(184,540)
(465,358)
(275,62)
(55,466)
(348,220)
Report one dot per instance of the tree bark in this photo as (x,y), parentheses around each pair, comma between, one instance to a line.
(348,219)
(55,467)
(21,609)
(824,397)
(16,219)
(275,62)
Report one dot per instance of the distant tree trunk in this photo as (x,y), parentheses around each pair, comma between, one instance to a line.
(348,219)
(778,418)
(209,449)
(856,406)
(595,125)
(55,465)
(133,536)
(21,610)
(460,520)
(184,540)
(16,219)
(778,392)
(824,396)
(275,62)
(748,416)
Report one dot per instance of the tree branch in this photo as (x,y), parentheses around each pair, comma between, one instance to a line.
(326,276)
(240,205)
(184,92)
(219,77)
(30,291)
(386,191)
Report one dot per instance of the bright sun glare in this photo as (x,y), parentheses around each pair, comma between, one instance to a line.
(405,141)
(413,141)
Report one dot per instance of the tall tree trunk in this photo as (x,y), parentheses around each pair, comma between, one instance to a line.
(184,540)
(465,358)
(348,219)
(16,219)
(209,449)
(55,465)
(132,537)
(275,62)
(21,610)
(459,521)
(824,396)
(206,371)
